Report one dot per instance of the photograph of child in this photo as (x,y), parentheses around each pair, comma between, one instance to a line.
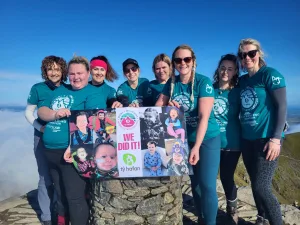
(151,127)
(106,160)
(152,160)
(174,125)
(83,160)
(178,164)
(83,134)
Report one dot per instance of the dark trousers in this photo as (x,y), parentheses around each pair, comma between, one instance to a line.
(228,163)
(261,172)
(70,187)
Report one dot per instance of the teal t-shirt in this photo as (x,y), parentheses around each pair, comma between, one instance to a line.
(258,114)
(56,134)
(100,96)
(157,89)
(182,93)
(227,110)
(141,94)
(37,95)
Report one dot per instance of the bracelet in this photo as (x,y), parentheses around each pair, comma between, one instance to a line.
(271,140)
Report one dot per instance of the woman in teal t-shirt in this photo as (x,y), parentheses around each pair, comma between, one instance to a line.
(226,110)
(162,68)
(54,72)
(195,94)
(263,115)
(136,91)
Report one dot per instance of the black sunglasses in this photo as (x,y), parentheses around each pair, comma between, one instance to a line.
(186,60)
(251,54)
(133,69)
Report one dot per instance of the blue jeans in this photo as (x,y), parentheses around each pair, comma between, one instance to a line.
(204,180)
(45,185)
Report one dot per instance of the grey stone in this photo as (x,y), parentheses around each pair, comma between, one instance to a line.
(292,217)
(11,203)
(121,203)
(245,195)
(175,210)
(129,183)
(168,198)
(156,219)
(107,215)
(159,190)
(103,198)
(149,206)
(185,179)
(248,213)
(27,220)
(113,186)
(167,207)
(103,221)
(165,180)
(139,192)
(112,210)
(128,219)
(149,182)
(135,199)
(21,211)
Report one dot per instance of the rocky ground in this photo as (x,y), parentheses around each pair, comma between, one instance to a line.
(24,210)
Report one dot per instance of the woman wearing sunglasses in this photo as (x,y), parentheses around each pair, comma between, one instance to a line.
(162,68)
(263,114)
(136,91)
(195,94)
(226,110)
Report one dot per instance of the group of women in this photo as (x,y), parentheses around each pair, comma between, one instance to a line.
(233,115)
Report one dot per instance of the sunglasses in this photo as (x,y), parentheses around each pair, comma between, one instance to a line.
(251,54)
(133,69)
(186,60)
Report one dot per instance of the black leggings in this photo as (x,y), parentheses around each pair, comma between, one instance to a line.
(228,163)
(70,187)
(261,172)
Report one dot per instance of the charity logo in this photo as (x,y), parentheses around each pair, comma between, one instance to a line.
(184,99)
(276,80)
(129,159)
(62,102)
(220,106)
(249,99)
(208,89)
(128,119)
(119,92)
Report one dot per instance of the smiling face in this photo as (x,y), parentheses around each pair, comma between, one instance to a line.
(151,148)
(78,76)
(132,72)
(177,158)
(184,68)
(54,73)
(81,153)
(150,118)
(81,122)
(106,157)
(98,74)
(101,116)
(162,71)
(173,114)
(227,70)
(248,62)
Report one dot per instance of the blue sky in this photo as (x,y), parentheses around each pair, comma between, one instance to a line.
(31,30)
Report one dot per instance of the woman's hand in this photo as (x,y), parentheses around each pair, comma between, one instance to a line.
(174,103)
(117,104)
(61,113)
(68,156)
(194,156)
(273,148)
(134,104)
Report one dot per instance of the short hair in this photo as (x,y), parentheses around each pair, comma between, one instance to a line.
(162,58)
(80,114)
(79,60)
(111,74)
(48,61)
(152,143)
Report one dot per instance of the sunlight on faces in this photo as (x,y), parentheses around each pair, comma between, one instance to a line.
(227,70)
(106,157)
(130,74)
(173,114)
(250,63)
(98,74)
(151,148)
(184,68)
(81,153)
(78,76)
(162,71)
(54,73)
(81,122)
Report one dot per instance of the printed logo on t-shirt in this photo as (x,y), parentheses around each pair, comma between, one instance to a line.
(249,99)
(62,102)
(208,89)
(276,80)
(220,106)
(29,96)
(149,91)
(184,100)
(119,92)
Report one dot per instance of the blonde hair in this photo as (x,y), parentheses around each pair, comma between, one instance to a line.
(251,41)
(79,60)
(162,58)
(187,47)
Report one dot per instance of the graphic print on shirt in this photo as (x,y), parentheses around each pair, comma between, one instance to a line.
(208,89)
(62,102)
(276,80)
(221,106)
(184,100)
(119,92)
(249,101)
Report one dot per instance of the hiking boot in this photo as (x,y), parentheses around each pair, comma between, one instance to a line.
(260,220)
(47,222)
(232,213)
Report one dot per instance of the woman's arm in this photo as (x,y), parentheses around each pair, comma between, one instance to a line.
(29,115)
(48,114)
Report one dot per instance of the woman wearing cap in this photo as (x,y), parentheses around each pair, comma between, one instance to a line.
(136,91)
(162,68)
(263,114)
(194,93)
(54,72)
(226,110)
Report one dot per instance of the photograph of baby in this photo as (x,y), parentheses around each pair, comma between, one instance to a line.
(155,160)
(83,160)
(106,160)
(151,127)
(103,123)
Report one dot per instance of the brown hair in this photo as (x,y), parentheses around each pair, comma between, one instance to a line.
(193,70)
(79,60)
(49,61)
(111,74)
(162,58)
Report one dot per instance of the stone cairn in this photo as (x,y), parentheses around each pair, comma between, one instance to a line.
(137,201)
